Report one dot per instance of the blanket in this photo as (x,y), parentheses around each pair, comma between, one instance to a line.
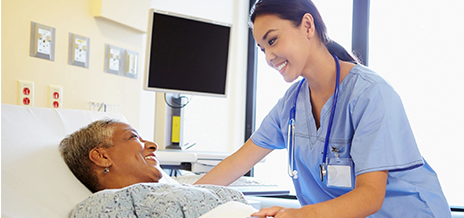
(157,200)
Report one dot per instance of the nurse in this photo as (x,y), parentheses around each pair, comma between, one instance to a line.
(352,152)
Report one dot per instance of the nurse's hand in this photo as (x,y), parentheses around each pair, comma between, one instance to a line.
(279,212)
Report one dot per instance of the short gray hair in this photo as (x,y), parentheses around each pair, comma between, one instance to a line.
(75,149)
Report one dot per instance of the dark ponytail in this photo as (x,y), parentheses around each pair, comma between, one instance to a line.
(294,10)
(340,52)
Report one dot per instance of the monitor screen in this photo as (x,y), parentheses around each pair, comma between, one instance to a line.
(186,55)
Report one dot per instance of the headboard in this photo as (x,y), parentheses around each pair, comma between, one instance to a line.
(35,180)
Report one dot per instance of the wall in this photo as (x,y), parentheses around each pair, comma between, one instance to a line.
(80,85)
(84,85)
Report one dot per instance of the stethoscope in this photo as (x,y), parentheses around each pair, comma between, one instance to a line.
(292,172)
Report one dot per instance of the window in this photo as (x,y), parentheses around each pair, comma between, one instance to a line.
(418,47)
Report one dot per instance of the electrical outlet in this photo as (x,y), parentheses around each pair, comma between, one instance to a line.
(42,41)
(55,96)
(79,47)
(113,60)
(25,93)
(131,64)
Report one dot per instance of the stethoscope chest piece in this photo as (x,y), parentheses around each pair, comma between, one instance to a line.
(322,172)
(295,174)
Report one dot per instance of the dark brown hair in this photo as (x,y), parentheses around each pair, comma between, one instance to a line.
(294,10)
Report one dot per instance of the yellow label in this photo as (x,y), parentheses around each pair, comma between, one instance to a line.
(176,129)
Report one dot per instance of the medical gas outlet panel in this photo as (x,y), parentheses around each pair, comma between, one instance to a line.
(118,61)
(42,41)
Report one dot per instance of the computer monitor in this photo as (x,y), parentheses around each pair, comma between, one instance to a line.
(186,55)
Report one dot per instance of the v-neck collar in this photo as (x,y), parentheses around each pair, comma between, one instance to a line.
(325,111)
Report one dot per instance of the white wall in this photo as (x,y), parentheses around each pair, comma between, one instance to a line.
(223,132)
(80,85)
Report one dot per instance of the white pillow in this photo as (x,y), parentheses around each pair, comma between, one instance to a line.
(35,180)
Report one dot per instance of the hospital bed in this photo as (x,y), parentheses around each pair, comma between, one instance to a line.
(35,180)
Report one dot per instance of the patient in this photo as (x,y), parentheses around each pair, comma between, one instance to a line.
(120,168)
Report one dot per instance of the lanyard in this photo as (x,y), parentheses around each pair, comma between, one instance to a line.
(292,172)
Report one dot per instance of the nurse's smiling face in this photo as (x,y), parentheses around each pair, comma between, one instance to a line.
(133,157)
(286,46)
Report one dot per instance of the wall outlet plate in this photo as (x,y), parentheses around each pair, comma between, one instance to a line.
(131,63)
(114,60)
(79,50)
(42,41)
(25,93)
(55,96)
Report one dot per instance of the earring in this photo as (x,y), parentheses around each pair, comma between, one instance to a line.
(107,169)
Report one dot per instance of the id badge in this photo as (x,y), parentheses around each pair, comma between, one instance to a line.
(339,173)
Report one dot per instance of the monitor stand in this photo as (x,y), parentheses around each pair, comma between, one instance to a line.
(176,106)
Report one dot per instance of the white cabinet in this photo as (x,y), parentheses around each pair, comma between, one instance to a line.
(133,14)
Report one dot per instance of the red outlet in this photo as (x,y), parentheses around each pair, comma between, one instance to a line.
(26,101)
(26,91)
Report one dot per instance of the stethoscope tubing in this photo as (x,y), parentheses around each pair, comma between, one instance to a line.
(292,172)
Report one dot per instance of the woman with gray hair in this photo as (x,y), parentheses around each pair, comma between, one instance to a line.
(121,169)
(88,154)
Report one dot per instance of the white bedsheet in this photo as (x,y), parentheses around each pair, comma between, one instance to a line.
(231,209)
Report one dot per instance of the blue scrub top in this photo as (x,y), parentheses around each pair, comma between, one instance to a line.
(371,127)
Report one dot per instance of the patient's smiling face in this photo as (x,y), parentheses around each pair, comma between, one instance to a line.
(132,157)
